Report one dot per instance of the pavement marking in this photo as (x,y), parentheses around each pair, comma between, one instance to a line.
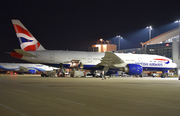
(15,93)
(70,101)
(12,110)
(125,99)
(21,90)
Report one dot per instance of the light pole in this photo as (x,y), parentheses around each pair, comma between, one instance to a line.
(119,40)
(178,21)
(101,40)
(150,28)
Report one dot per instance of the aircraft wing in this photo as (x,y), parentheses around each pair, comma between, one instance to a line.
(112,60)
(24,53)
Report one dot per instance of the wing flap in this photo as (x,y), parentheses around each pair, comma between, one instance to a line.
(111,59)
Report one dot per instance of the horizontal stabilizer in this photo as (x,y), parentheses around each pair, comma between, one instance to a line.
(24,53)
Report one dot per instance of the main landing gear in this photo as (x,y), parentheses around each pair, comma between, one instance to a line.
(105,69)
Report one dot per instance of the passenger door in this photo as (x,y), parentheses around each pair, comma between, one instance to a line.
(89,58)
(51,57)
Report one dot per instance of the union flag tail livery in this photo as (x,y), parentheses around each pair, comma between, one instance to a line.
(27,41)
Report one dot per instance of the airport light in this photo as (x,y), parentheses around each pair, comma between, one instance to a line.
(101,40)
(149,28)
(178,21)
(119,40)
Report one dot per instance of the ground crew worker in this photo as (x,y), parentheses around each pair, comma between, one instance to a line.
(84,74)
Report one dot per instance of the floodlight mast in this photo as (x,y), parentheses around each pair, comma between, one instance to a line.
(119,40)
(149,28)
(178,21)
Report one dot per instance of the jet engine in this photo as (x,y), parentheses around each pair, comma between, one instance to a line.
(133,69)
(32,71)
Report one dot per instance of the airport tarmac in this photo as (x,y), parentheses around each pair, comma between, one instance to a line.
(65,96)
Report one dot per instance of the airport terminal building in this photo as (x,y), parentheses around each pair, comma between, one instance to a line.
(166,44)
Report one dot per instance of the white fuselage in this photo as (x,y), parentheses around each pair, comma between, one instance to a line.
(90,59)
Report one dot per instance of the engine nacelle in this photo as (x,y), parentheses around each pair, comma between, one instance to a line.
(32,71)
(133,69)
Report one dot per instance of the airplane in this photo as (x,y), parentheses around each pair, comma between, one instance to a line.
(132,64)
(25,67)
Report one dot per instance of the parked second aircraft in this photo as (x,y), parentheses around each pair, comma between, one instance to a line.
(25,67)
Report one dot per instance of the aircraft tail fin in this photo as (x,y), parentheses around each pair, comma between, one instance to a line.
(27,41)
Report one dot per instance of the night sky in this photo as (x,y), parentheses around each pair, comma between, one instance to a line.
(78,24)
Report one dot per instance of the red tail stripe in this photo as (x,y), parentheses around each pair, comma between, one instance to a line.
(32,47)
(16,55)
(19,29)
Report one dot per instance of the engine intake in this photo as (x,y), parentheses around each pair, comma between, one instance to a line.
(133,69)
